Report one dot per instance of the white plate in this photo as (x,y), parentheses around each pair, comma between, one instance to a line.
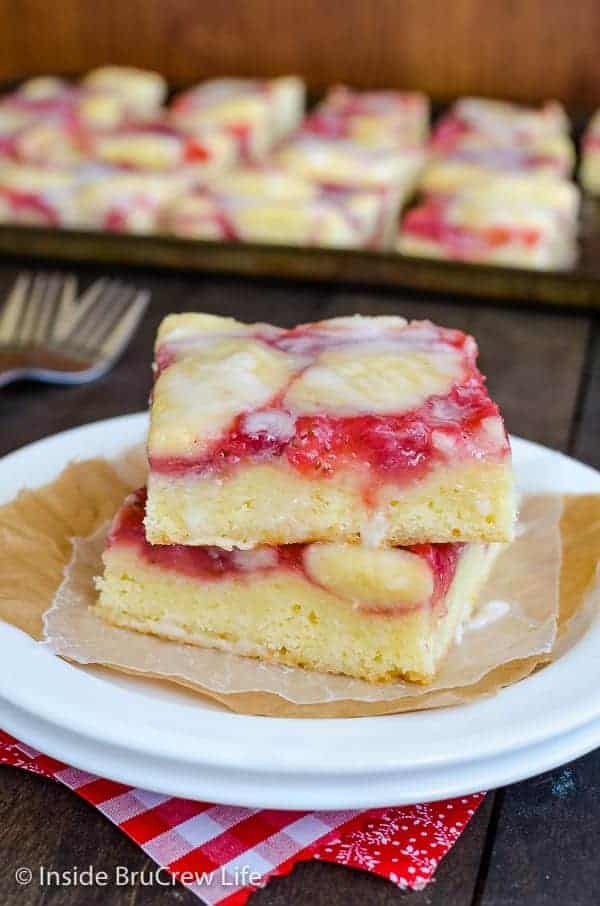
(165,739)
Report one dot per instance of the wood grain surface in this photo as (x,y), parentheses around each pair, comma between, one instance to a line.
(535,842)
(527,50)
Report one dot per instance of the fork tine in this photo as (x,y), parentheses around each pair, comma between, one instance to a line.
(110,315)
(13,310)
(42,314)
(72,311)
(32,307)
(121,332)
(61,314)
(86,326)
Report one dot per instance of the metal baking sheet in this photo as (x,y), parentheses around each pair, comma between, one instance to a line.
(578,286)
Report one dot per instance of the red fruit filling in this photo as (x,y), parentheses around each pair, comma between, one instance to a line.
(213,563)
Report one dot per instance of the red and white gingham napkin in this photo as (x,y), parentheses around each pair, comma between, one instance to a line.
(222,853)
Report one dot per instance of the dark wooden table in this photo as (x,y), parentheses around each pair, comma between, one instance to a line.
(536,842)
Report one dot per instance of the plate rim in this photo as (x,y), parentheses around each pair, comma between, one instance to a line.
(244,791)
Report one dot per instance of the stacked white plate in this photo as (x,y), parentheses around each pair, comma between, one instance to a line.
(161,738)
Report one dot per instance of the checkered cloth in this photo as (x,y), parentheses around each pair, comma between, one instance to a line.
(223,853)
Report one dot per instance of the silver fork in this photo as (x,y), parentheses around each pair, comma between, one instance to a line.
(48,334)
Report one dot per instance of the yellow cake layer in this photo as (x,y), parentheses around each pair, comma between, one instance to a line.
(272,504)
(280,615)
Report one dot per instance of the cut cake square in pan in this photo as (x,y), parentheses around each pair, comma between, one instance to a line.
(266,204)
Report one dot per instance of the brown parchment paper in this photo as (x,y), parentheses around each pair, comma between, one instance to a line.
(524,582)
(37,528)
(35,549)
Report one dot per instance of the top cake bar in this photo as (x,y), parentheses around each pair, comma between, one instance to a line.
(352,429)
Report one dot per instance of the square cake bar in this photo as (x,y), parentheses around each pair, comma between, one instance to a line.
(266,204)
(351,429)
(127,201)
(104,99)
(141,92)
(503,120)
(37,196)
(505,220)
(372,614)
(159,147)
(395,119)
(256,113)
(477,167)
(342,164)
(502,136)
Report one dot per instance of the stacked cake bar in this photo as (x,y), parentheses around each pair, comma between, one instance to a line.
(590,158)
(496,189)
(330,496)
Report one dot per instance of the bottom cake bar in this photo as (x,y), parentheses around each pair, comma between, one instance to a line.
(373,613)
